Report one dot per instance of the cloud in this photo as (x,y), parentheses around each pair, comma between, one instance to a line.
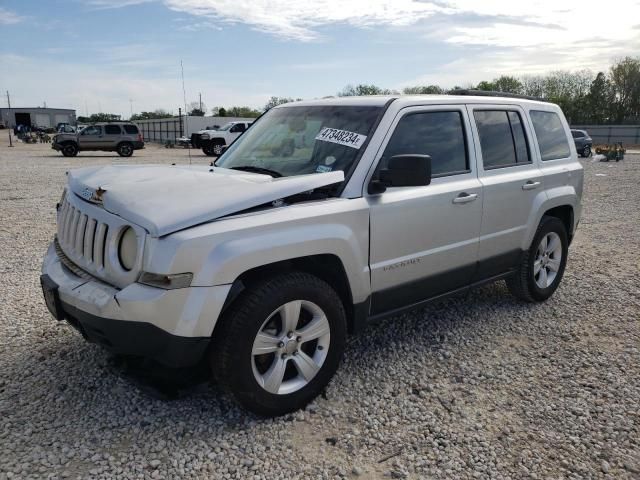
(109,4)
(298,19)
(489,23)
(550,23)
(7,17)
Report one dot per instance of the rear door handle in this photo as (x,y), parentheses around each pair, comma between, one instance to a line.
(465,197)
(530,185)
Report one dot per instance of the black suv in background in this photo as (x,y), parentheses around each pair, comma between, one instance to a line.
(583,142)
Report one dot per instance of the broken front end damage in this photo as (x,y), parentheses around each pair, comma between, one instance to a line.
(166,199)
(165,329)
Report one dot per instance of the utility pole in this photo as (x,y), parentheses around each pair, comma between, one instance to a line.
(131,108)
(200,95)
(9,129)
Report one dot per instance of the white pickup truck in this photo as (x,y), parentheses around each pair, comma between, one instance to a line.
(323,216)
(214,141)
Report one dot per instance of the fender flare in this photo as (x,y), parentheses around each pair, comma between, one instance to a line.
(561,196)
(229,260)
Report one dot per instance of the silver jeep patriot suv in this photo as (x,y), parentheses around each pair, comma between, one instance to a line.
(322,216)
(121,137)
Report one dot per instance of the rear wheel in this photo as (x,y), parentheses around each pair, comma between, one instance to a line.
(69,150)
(542,266)
(208,150)
(217,149)
(280,343)
(125,149)
(586,151)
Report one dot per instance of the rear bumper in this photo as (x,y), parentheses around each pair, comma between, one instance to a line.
(138,145)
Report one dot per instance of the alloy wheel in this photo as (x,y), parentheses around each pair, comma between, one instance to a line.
(290,347)
(548,260)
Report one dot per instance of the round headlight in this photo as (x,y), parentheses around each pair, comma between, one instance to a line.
(128,249)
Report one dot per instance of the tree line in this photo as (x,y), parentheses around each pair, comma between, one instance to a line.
(611,97)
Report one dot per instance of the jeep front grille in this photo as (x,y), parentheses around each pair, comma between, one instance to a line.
(81,235)
(88,235)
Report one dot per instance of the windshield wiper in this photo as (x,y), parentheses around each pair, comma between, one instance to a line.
(252,169)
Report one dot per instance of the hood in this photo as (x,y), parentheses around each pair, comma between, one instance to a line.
(65,135)
(165,199)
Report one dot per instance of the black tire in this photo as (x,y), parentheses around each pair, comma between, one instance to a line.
(586,151)
(231,357)
(125,149)
(523,283)
(208,150)
(69,150)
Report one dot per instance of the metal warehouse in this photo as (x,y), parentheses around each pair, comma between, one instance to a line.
(36,117)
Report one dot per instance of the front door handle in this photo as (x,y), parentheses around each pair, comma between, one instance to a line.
(530,185)
(465,197)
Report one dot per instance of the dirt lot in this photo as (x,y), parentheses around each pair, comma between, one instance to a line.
(479,386)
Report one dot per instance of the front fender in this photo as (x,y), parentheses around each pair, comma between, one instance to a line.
(219,252)
(231,259)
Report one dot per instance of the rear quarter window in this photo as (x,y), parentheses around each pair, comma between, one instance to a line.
(552,138)
(130,129)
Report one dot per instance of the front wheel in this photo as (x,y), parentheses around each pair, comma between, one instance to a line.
(539,273)
(280,343)
(70,150)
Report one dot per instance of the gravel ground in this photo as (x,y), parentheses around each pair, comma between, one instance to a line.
(479,386)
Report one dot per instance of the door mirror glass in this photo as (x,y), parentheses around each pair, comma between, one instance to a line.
(403,171)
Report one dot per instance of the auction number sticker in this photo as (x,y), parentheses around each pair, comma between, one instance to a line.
(341,137)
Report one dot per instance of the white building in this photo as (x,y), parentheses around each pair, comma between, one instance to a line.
(36,117)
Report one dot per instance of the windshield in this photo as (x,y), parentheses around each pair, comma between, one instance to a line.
(302,140)
(225,127)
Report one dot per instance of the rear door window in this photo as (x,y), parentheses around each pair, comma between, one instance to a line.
(551,135)
(502,138)
(112,130)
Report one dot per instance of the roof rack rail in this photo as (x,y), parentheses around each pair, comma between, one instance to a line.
(490,93)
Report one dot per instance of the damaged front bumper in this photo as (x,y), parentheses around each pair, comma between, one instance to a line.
(173,327)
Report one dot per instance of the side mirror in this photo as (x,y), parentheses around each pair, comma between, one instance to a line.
(403,171)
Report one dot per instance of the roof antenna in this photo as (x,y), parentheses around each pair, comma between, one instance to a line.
(186,114)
